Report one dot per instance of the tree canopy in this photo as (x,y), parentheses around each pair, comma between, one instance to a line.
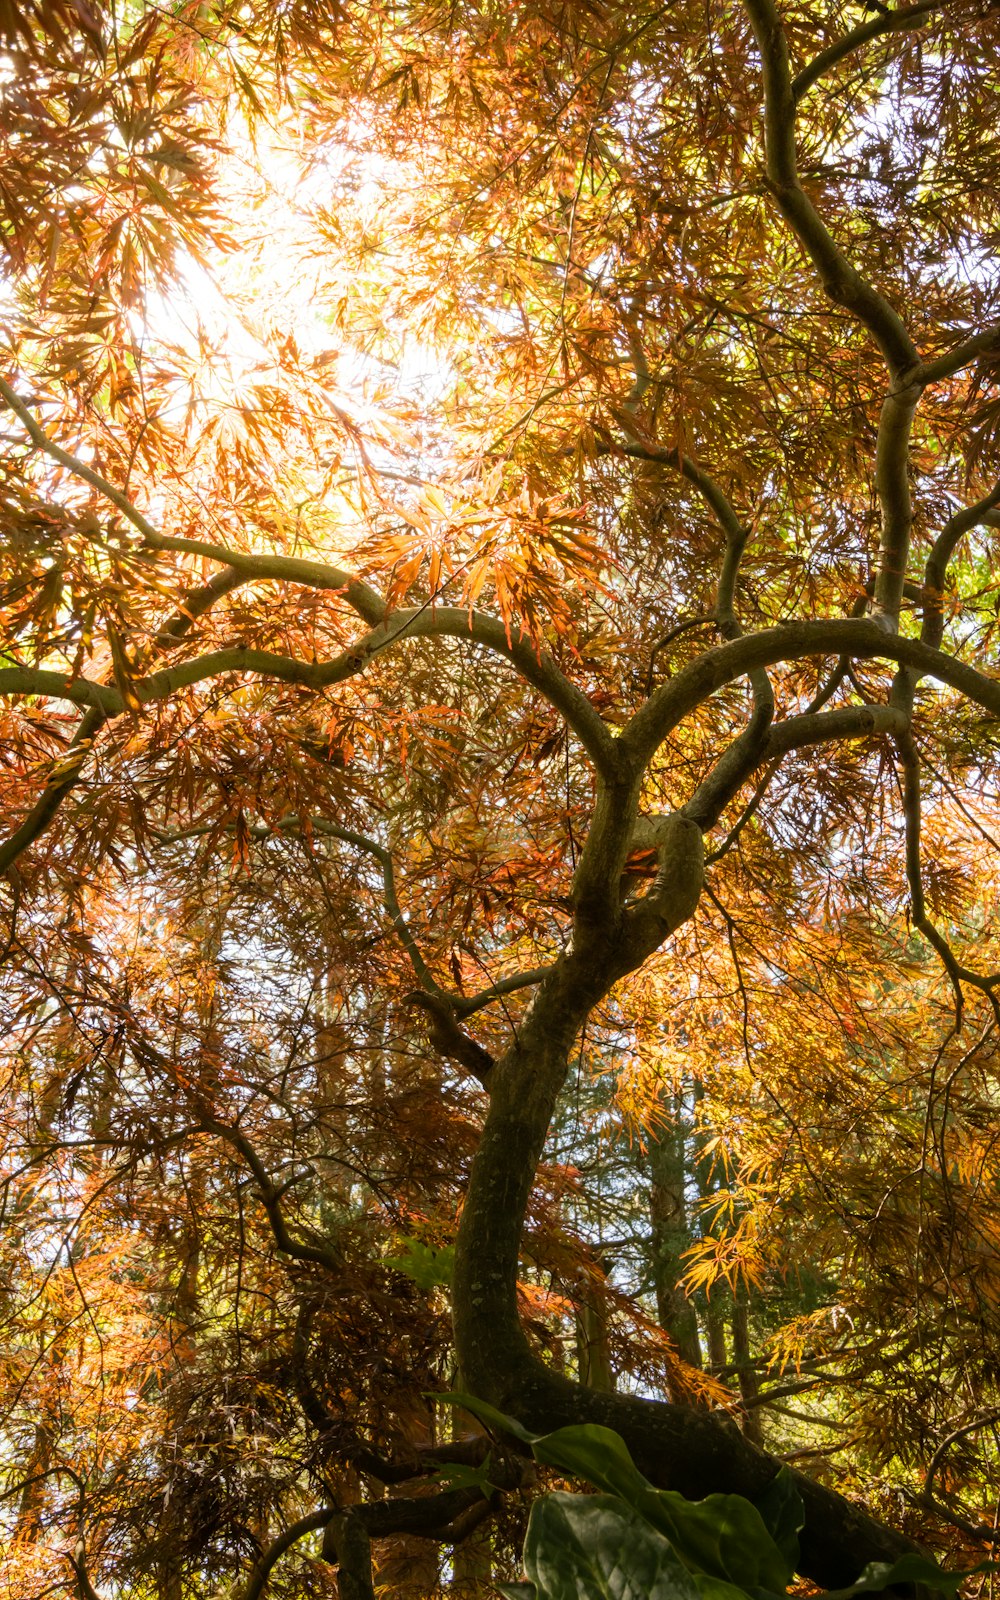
(499,761)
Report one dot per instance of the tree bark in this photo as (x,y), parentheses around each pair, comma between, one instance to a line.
(692,1450)
(670,1231)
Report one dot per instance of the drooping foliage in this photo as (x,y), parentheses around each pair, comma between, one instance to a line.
(498,763)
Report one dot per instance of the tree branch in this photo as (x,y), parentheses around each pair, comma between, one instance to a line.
(465,1005)
(794,733)
(942,550)
(63,778)
(60,686)
(842,282)
(316,574)
(347,1547)
(310,1523)
(382,856)
(78,1563)
(735,532)
(68,769)
(418,622)
(846,722)
(449,1039)
(270,1196)
(902,21)
(864,638)
(746,815)
(910,768)
(985,342)
(847,287)
(360,596)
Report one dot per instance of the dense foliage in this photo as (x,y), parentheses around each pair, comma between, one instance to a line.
(498,763)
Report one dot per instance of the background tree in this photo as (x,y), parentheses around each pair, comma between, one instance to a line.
(498,608)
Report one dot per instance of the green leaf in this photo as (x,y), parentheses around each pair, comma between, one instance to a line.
(598,1454)
(723,1537)
(517,1591)
(879,1575)
(783,1515)
(595,1547)
(456,1475)
(424,1264)
(489,1416)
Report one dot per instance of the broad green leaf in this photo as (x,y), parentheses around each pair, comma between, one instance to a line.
(595,1547)
(456,1475)
(517,1591)
(598,1454)
(783,1514)
(488,1415)
(879,1575)
(723,1536)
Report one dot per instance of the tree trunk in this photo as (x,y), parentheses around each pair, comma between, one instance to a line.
(593,1357)
(745,1372)
(671,1232)
(693,1450)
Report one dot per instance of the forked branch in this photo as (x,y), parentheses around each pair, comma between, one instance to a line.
(903,20)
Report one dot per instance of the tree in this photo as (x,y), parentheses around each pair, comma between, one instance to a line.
(497,577)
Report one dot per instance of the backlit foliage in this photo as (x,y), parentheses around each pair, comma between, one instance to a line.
(420,423)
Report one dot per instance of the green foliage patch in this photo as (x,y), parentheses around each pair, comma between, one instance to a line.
(633,1541)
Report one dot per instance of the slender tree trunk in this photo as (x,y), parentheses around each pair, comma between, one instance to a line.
(592,1353)
(745,1372)
(715,1328)
(671,1232)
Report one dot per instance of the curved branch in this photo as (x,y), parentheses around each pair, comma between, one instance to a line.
(449,1039)
(667,639)
(270,1196)
(735,532)
(625,756)
(78,1563)
(36,433)
(317,574)
(846,722)
(842,281)
(746,815)
(60,686)
(942,550)
(347,1546)
(64,777)
(310,1523)
(910,768)
(195,605)
(399,922)
(932,593)
(465,1005)
(864,637)
(794,733)
(107,702)
(68,769)
(419,622)
(902,21)
(360,596)
(983,1419)
(846,286)
(476,628)
(985,342)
